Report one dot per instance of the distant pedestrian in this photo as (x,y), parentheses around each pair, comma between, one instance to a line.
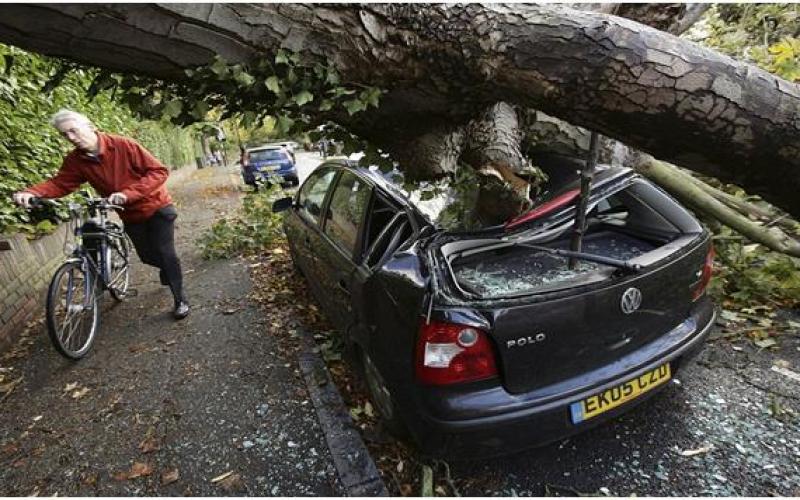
(127,174)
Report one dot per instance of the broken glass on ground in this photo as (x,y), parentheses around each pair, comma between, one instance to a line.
(516,270)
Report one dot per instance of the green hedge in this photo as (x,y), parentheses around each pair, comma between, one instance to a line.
(31,150)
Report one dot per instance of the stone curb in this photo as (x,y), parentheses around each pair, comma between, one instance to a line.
(357,471)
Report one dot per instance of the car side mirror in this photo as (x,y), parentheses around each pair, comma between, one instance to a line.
(281,205)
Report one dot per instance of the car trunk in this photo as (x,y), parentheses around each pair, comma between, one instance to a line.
(549,322)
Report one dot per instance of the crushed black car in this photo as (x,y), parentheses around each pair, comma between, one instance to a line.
(483,342)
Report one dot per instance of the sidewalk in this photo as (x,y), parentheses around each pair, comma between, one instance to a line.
(208,406)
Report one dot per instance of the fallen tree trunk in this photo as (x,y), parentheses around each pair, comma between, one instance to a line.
(443,63)
(689,192)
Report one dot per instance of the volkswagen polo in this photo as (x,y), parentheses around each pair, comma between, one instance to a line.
(486,341)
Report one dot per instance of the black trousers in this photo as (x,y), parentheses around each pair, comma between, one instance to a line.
(154,240)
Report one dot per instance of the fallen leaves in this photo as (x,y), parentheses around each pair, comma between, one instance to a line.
(80,393)
(89,479)
(149,445)
(169,476)
(7,388)
(765,343)
(76,391)
(232,483)
(138,469)
(9,448)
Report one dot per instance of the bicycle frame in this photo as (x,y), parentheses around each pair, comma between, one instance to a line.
(95,226)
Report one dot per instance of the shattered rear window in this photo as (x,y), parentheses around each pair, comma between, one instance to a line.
(519,270)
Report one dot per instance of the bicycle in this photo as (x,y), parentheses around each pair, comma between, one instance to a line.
(99,261)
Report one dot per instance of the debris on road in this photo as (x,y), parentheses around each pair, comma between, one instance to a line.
(222,476)
(138,469)
(786,372)
(698,451)
(169,476)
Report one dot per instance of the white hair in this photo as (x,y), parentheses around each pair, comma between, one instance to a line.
(64,114)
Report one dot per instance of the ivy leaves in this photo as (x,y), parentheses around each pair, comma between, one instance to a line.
(294,94)
(32,87)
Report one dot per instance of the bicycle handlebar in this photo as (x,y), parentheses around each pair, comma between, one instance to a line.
(101,203)
(37,202)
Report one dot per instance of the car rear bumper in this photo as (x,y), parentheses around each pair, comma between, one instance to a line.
(288,177)
(489,421)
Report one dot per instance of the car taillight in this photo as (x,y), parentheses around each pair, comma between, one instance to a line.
(448,353)
(705,276)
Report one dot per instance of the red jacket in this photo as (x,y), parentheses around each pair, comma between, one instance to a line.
(122,165)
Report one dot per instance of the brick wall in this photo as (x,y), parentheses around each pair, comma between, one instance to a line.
(26,267)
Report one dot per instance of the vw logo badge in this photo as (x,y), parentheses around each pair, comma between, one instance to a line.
(631,300)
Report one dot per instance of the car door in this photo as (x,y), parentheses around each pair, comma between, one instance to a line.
(303,225)
(338,255)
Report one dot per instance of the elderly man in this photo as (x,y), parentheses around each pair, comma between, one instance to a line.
(129,175)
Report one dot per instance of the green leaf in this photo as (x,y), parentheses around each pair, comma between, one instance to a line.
(333,77)
(326,105)
(353,106)
(244,79)
(291,76)
(248,118)
(284,124)
(219,67)
(280,57)
(372,96)
(200,109)
(273,84)
(172,109)
(427,481)
(303,97)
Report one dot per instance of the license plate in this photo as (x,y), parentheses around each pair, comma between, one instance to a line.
(272,168)
(611,398)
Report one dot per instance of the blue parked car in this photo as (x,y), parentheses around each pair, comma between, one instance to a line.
(264,162)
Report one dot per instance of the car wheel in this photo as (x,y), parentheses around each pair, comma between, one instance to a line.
(381,397)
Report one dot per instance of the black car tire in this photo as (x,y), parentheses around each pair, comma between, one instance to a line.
(381,397)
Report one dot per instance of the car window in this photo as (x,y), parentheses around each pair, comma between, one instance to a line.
(347,207)
(267,154)
(387,228)
(312,194)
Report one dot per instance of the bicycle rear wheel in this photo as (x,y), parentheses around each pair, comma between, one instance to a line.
(72,312)
(120,278)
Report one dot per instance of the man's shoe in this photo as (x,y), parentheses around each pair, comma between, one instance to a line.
(181,310)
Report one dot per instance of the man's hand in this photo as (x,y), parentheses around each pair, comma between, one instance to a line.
(117,198)
(23,199)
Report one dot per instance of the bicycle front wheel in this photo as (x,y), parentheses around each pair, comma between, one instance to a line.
(72,312)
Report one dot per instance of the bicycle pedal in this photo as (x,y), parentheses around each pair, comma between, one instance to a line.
(132,292)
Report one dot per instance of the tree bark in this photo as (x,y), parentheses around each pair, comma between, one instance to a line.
(441,63)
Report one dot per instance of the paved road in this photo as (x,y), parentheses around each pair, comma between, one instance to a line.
(212,395)
(730,428)
(306,163)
